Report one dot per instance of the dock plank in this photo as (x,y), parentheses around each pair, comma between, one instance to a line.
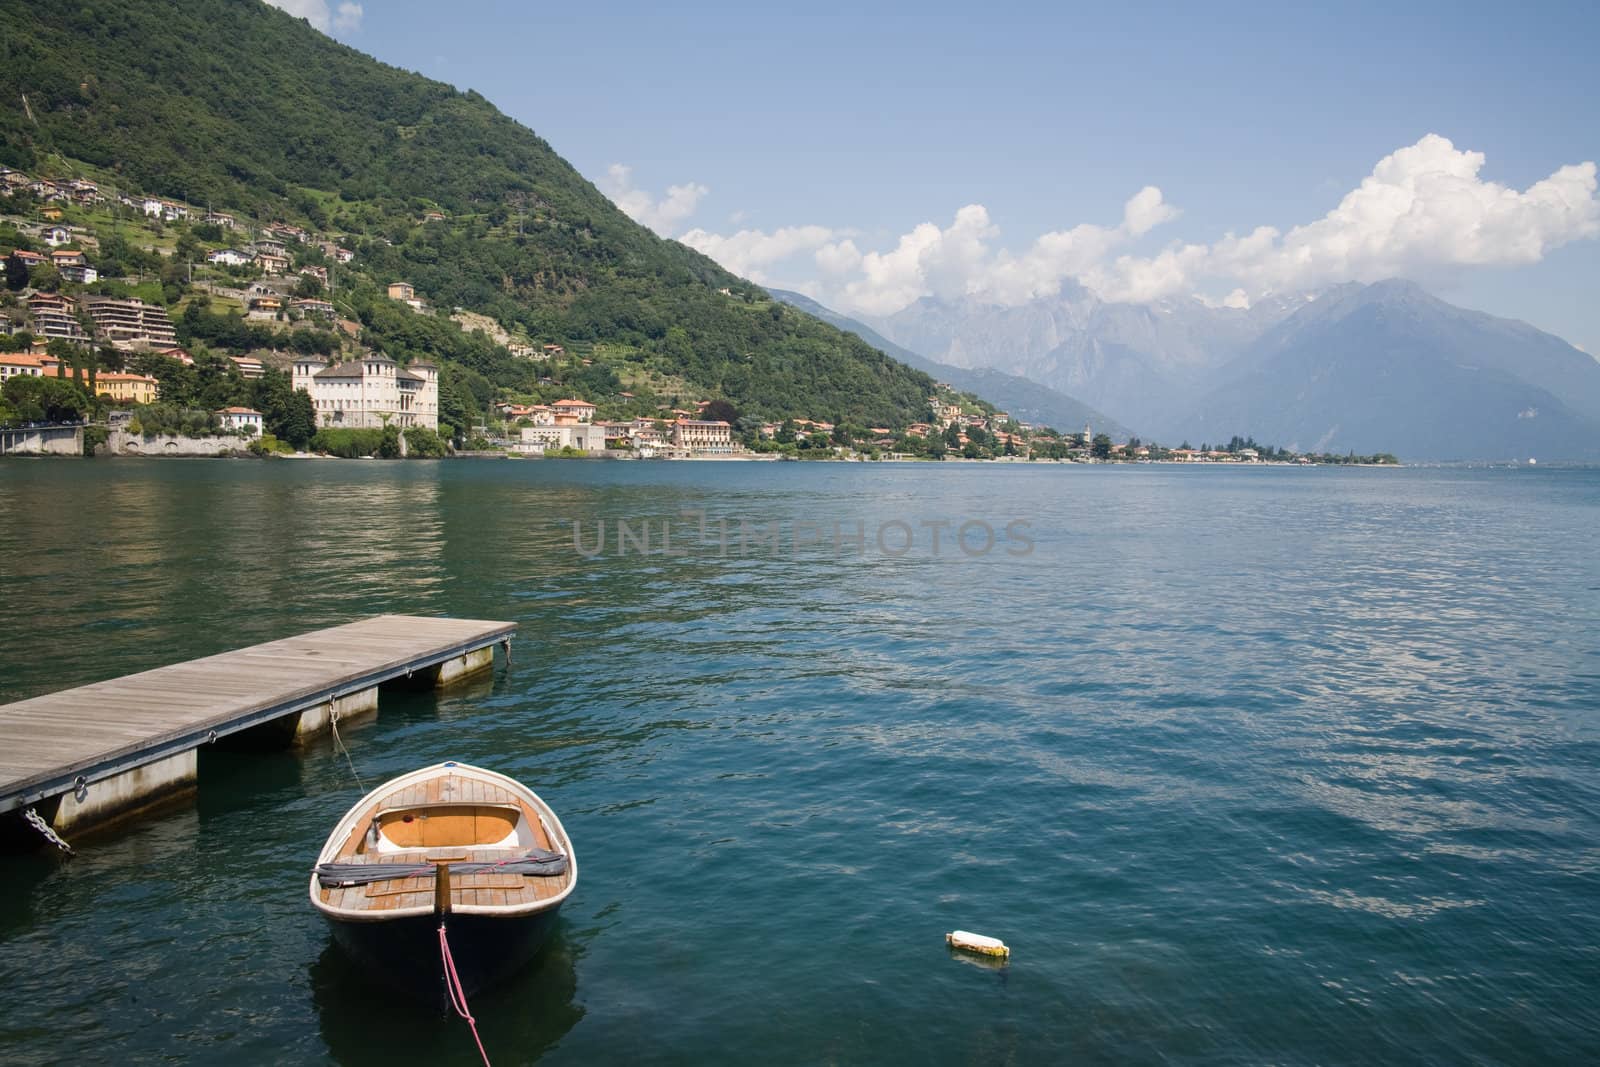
(106,727)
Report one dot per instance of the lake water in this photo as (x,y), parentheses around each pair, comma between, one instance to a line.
(1265,765)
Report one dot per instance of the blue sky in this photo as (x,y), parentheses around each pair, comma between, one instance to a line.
(807,147)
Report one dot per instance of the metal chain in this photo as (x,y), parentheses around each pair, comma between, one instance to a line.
(37,822)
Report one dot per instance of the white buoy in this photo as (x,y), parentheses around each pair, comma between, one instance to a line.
(970,942)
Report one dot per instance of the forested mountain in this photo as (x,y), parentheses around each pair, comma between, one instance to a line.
(1023,398)
(236,105)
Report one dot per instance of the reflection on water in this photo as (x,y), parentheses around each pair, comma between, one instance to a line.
(363,1022)
(1278,765)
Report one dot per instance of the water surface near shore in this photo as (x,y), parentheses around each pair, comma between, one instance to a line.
(1253,764)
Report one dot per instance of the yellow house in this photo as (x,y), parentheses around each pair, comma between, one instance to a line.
(127,388)
(52,213)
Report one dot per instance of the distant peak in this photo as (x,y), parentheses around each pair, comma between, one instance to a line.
(1397,287)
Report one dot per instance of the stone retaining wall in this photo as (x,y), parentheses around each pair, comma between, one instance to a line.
(48,441)
(123,443)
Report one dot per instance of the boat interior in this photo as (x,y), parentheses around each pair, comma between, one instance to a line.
(448,818)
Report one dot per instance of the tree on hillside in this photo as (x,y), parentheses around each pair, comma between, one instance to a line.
(286,412)
(16,273)
(45,278)
(1102,446)
(45,399)
(21,341)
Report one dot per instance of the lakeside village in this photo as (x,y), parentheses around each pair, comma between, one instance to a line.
(160,328)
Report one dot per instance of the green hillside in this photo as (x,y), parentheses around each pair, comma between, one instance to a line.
(235,105)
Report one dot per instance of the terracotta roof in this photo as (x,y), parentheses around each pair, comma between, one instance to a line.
(342,370)
(239,411)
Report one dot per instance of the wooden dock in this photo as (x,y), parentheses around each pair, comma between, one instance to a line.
(100,751)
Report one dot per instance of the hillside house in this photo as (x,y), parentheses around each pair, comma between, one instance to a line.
(26,364)
(131,323)
(131,389)
(313,309)
(54,318)
(263,305)
(576,410)
(247,419)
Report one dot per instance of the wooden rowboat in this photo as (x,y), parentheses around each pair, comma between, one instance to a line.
(447,845)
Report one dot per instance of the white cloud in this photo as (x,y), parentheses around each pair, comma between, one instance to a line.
(749,252)
(347,16)
(1422,212)
(660,214)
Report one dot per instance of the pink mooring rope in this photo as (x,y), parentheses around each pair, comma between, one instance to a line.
(458,995)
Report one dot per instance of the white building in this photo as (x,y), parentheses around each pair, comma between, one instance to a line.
(370,392)
(584,436)
(241,419)
(231,257)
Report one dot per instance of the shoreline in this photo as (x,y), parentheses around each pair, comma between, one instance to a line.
(244,454)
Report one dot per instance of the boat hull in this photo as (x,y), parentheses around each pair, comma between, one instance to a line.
(404,951)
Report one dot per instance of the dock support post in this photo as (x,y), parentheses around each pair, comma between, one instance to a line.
(126,793)
(458,667)
(316,721)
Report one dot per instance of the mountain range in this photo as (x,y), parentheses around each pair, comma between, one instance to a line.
(1025,400)
(1379,367)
